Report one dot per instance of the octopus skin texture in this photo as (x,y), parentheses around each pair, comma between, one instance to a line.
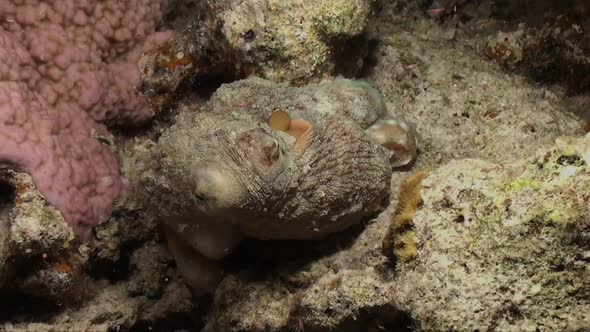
(271,161)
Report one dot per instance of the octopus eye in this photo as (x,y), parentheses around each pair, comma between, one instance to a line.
(272,150)
(260,146)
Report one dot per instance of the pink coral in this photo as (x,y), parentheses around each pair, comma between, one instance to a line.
(64,66)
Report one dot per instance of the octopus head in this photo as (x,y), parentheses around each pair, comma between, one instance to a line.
(252,164)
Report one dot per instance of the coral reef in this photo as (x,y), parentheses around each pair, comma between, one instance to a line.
(81,56)
(500,244)
(66,69)
(63,67)
(272,162)
(287,41)
(503,247)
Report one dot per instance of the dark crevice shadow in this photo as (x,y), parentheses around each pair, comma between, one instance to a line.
(271,256)
(371,60)
(7,196)
(16,307)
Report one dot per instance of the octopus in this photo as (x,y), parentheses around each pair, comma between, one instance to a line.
(271,161)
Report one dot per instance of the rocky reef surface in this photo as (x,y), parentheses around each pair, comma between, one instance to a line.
(487,229)
(503,246)
(286,41)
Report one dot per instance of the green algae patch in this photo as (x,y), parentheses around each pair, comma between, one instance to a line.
(521,183)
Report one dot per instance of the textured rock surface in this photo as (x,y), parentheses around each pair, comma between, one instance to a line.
(38,254)
(112,309)
(286,41)
(30,228)
(503,247)
(293,40)
(76,284)
(464,106)
(341,283)
(555,52)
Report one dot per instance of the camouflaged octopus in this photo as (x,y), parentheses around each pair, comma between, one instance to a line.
(270,161)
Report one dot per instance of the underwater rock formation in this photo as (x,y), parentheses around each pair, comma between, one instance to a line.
(558,51)
(40,261)
(63,67)
(465,106)
(285,41)
(38,254)
(124,279)
(503,247)
(113,309)
(271,162)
